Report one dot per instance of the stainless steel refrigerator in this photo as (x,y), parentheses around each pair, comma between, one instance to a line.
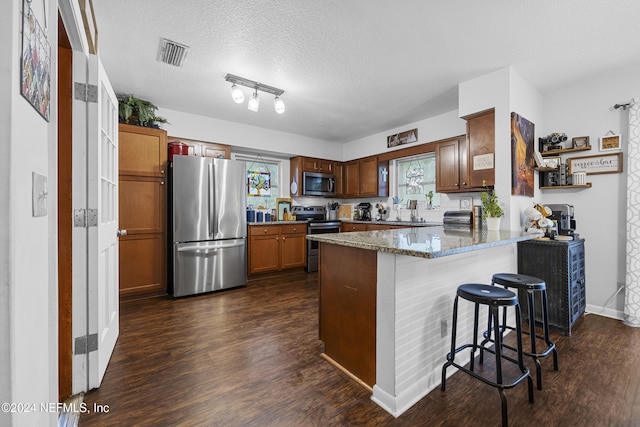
(209,228)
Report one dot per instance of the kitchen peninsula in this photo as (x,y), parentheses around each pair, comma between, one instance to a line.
(386,300)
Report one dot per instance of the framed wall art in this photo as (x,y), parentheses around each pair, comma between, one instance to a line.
(35,66)
(552,162)
(610,143)
(580,142)
(402,138)
(522,159)
(594,165)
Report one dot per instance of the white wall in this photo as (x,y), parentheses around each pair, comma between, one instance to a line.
(585,109)
(433,129)
(32,308)
(7,35)
(246,137)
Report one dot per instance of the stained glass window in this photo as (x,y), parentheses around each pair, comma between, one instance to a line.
(415,177)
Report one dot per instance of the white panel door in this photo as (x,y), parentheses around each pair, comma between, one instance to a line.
(95,295)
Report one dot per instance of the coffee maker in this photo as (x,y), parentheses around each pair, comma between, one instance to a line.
(365,211)
(563,216)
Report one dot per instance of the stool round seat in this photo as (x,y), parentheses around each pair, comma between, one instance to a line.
(486,294)
(519,281)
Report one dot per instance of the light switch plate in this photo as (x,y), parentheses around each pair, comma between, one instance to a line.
(39,194)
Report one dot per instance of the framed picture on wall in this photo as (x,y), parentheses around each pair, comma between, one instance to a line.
(580,142)
(610,143)
(552,162)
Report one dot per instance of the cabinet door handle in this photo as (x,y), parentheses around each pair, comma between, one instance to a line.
(295,229)
(162,171)
(265,231)
(284,238)
(277,238)
(161,182)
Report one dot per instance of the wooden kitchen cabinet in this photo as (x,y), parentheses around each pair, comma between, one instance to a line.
(481,149)
(293,246)
(466,163)
(142,210)
(317,165)
(362,178)
(354,227)
(451,165)
(204,148)
(277,247)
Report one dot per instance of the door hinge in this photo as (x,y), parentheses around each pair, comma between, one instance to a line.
(86,344)
(85,217)
(86,93)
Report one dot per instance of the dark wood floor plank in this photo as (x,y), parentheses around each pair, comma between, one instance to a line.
(251,357)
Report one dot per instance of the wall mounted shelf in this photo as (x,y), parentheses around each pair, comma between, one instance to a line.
(564,150)
(554,187)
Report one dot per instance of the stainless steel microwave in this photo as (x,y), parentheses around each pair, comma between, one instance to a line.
(318,184)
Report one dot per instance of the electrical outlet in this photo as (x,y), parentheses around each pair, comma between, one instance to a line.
(443,328)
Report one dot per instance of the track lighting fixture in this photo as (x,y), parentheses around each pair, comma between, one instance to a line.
(254,101)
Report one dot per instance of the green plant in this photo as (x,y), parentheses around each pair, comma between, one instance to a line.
(430,197)
(490,206)
(131,108)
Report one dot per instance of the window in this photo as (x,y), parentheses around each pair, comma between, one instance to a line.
(415,177)
(264,173)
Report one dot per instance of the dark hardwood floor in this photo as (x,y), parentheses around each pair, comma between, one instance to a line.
(251,357)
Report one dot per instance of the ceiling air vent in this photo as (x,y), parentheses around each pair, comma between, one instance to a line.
(172,53)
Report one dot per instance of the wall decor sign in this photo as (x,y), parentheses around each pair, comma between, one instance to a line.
(522,159)
(259,184)
(594,165)
(610,143)
(35,70)
(402,138)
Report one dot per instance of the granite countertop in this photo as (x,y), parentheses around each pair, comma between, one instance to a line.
(405,223)
(423,242)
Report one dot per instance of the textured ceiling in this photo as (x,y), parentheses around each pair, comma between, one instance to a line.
(352,68)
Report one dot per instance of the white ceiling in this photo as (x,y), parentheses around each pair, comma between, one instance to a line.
(352,68)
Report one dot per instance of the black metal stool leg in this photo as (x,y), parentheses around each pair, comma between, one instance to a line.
(450,356)
(503,399)
(545,317)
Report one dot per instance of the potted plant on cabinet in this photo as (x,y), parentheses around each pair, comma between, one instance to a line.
(138,112)
(491,210)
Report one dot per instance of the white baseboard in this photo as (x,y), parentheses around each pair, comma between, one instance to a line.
(604,311)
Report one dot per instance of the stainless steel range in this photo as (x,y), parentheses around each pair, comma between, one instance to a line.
(316,224)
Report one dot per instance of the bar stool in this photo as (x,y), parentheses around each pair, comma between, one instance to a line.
(530,285)
(494,297)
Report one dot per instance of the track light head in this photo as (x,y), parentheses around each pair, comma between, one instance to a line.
(236,94)
(254,102)
(278,105)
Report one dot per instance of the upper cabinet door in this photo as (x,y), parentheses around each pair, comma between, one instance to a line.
(143,151)
(481,146)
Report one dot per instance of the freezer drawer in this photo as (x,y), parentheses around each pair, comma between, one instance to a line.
(209,266)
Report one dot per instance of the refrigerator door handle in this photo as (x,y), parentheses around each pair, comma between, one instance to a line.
(205,249)
(211,219)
